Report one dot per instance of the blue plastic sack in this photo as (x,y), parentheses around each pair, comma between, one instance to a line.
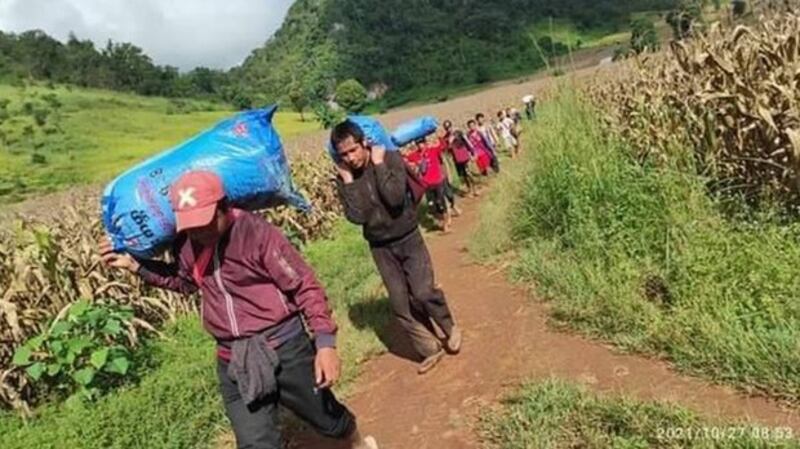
(245,151)
(374,132)
(414,130)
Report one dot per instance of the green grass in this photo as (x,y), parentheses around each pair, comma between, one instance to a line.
(643,258)
(566,32)
(555,415)
(177,405)
(104,133)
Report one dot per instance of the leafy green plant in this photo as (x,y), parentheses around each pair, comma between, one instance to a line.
(351,95)
(327,116)
(85,352)
(52,100)
(299,99)
(644,36)
(4,114)
(37,158)
(28,107)
(40,116)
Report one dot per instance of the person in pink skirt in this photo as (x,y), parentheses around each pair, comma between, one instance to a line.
(480,148)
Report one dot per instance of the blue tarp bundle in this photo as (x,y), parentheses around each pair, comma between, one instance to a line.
(374,132)
(414,130)
(245,151)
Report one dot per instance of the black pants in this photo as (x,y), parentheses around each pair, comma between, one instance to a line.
(437,198)
(463,174)
(495,163)
(256,426)
(463,171)
(407,272)
(450,193)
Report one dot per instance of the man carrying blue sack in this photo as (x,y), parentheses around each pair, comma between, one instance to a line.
(257,293)
(374,189)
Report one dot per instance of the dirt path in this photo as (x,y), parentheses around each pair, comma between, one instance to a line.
(507,342)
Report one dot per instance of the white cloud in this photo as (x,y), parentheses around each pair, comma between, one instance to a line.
(183,33)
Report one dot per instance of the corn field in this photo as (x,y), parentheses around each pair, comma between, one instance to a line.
(46,264)
(725,103)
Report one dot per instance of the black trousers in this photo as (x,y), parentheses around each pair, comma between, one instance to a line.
(407,272)
(495,162)
(437,198)
(450,193)
(256,426)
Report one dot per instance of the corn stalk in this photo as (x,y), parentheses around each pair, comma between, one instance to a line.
(726,103)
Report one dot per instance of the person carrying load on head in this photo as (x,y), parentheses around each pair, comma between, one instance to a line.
(374,189)
(530,106)
(258,297)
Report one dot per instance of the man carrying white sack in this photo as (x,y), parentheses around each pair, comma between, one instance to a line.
(257,290)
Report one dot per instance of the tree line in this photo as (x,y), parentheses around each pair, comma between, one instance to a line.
(117,66)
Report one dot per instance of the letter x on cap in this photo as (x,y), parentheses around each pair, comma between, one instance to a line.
(194,197)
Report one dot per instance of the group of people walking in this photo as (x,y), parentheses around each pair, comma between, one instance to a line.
(262,303)
(474,152)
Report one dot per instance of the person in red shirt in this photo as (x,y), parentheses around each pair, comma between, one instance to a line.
(461,152)
(427,159)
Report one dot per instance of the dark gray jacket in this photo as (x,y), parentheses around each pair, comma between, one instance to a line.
(379,200)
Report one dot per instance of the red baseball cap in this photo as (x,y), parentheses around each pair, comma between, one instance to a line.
(194,197)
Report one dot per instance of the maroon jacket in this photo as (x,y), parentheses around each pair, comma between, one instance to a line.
(256,280)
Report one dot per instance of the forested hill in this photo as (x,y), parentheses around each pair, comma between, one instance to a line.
(117,66)
(402,45)
(412,43)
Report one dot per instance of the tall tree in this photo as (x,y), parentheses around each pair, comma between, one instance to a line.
(299,99)
(351,95)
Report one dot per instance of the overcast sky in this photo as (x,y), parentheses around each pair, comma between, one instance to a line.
(182,33)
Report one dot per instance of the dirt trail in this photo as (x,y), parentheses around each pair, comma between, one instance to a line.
(507,342)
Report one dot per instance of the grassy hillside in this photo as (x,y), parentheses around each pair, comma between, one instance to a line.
(92,135)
